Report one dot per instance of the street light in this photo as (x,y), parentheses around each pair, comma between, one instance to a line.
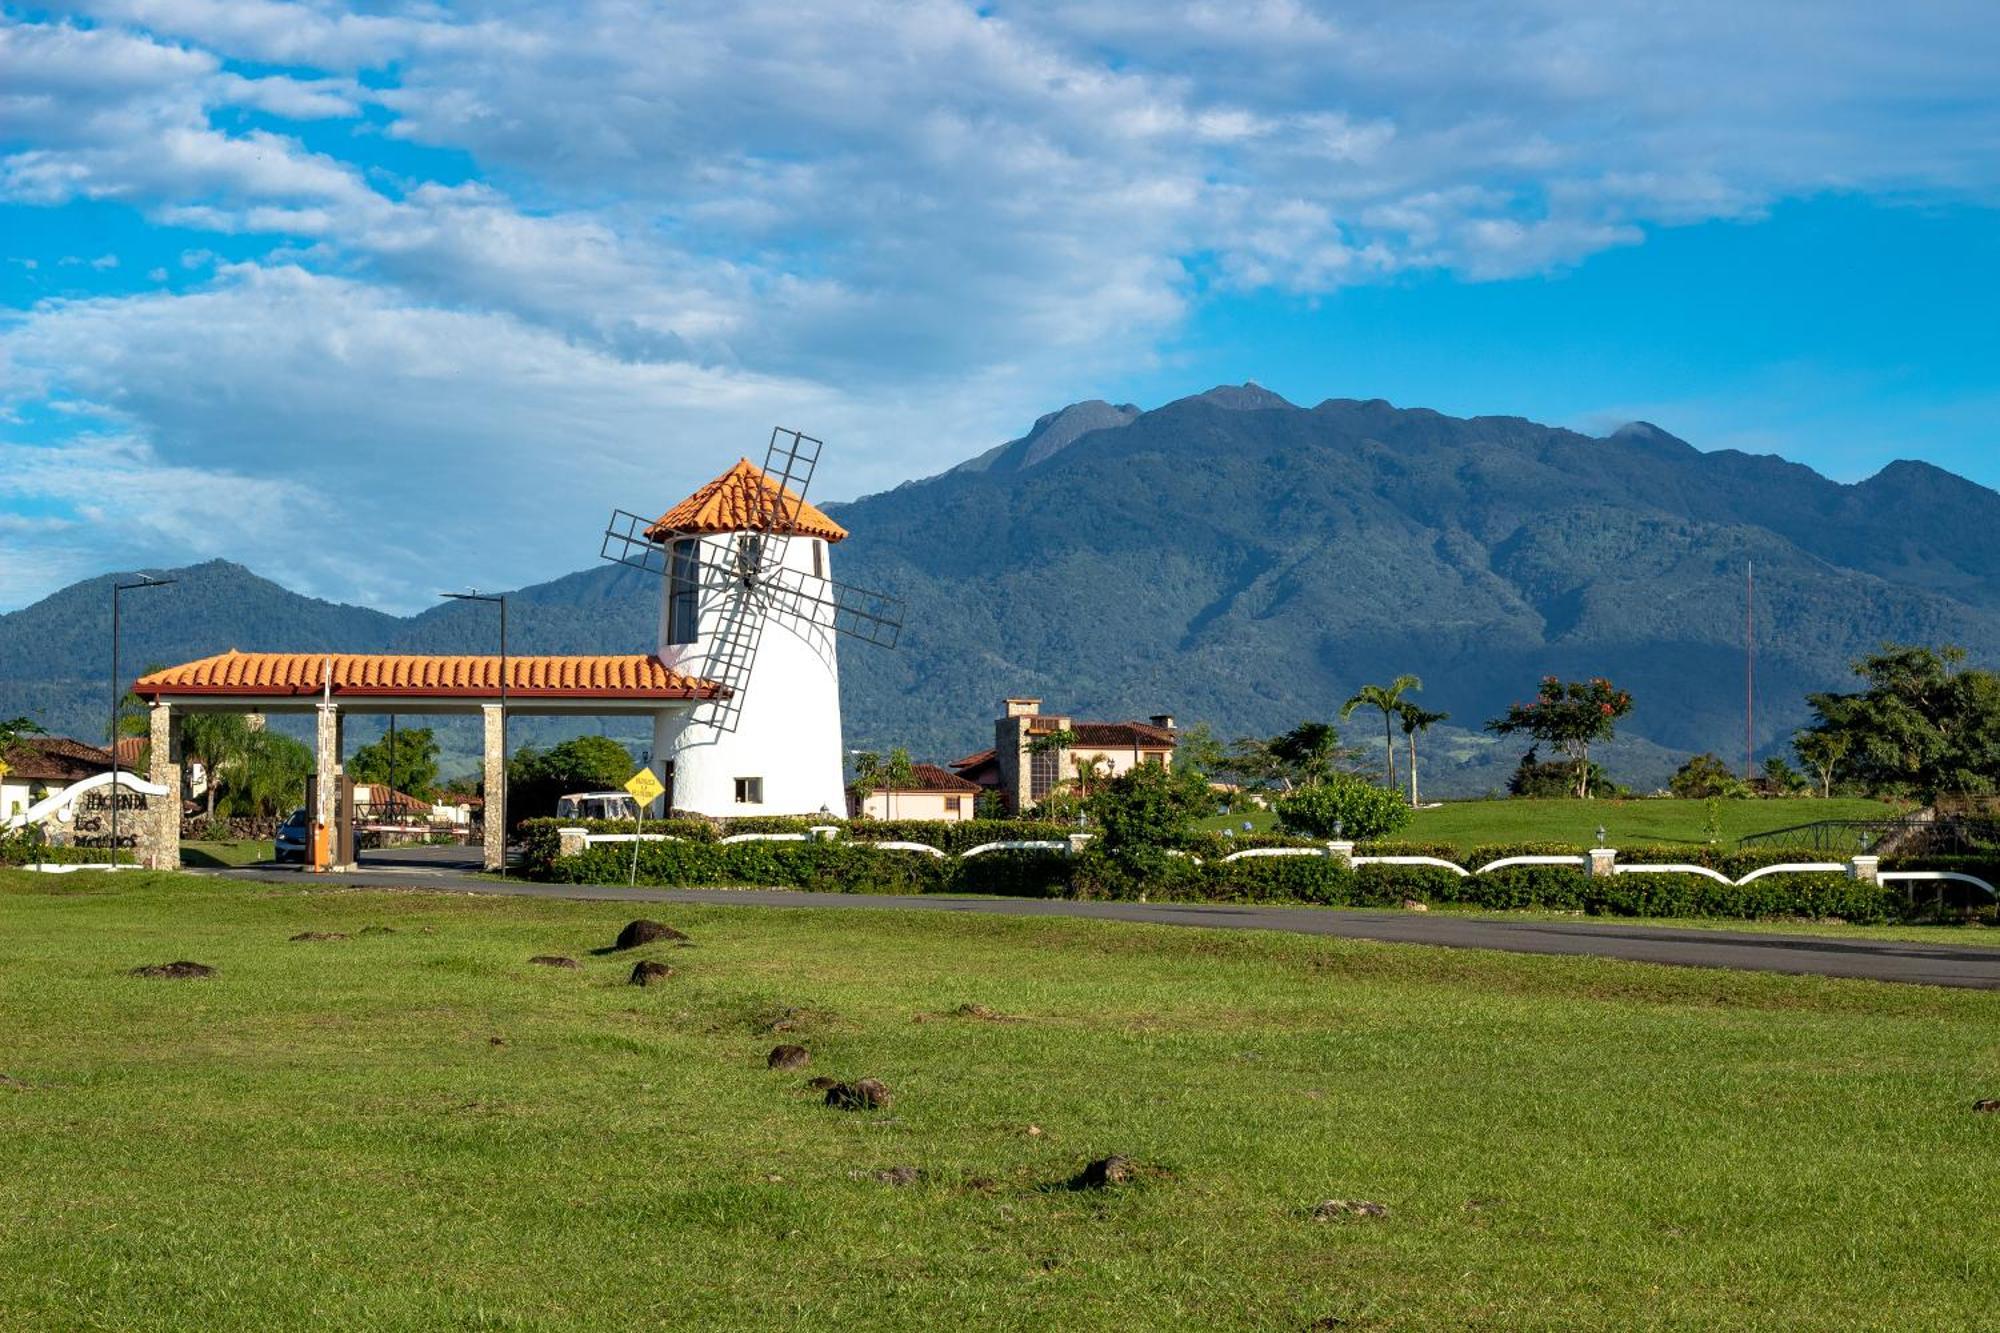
(500,600)
(118,697)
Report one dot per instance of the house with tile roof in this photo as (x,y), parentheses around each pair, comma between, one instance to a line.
(37,765)
(936,793)
(1034,753)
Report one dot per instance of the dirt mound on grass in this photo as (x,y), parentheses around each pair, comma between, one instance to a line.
(554,960)
(1104,1173)
(864,1094)
(1330,1210)
(180,969)
(788,1057)
(645,972)
(319,935)
(642,931)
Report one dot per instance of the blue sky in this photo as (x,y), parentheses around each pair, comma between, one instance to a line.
(340,293)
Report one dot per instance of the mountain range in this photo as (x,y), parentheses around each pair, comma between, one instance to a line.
(1235,559)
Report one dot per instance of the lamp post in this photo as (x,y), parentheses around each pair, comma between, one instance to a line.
(118,696)
(500,600)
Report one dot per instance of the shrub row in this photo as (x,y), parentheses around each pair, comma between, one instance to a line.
(854,867)
(826,867)
(541,841)
(18,851)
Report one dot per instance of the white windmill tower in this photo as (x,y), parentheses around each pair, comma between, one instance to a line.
(748,600)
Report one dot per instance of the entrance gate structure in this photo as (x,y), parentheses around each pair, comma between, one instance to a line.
(334,686)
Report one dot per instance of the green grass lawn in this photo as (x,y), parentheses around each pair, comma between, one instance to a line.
(213,855)
(328,1134)
(1632,823)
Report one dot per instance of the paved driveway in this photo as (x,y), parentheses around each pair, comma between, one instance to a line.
(1933,964)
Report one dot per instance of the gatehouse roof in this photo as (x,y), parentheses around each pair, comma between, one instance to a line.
(265,675)
(745,499)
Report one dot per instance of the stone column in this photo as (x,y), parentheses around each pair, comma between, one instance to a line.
(326,809)
(496,789)
(160,830)
(1866,869)
(1342,851)
(1602,860)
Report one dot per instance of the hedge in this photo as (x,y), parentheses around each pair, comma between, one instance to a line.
(826,867)
(19,851)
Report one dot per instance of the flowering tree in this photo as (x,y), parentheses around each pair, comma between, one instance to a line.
(1569,715)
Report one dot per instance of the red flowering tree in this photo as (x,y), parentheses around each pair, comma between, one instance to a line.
(1571,716)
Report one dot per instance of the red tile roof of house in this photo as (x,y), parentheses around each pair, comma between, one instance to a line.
(403,676)
(974,760)
(1143,735)
(55,759)
(744,499)
(930,777)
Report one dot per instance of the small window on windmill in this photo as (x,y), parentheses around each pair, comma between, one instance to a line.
(683,592)
(749,791)
(819,559)
(749,556)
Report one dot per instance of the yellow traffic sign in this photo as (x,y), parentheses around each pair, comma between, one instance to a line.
(645,788)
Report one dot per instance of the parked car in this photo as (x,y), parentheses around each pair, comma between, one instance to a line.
(294,837)
(597,805)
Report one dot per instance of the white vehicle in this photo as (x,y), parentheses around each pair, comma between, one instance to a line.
(597,805)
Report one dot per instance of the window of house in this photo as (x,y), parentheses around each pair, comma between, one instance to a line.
(684,591)
(1155,757)
(951,804)
(749,791)
(1044,772)
(749,556)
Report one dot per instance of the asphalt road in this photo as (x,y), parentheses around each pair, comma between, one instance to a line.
(1817,955)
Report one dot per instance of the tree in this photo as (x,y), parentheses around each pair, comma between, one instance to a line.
(1343,806)
(1570,716)
(1388,698)
(409,766)
(14,730)
(1306,754)
(1705,776)
(1781,779)
(216,741)
(1822,751)
(884,773)
(270,777)
(536,778)
(1924,726)
(1141,817)
(1416,720)
(1555,779)
(1200,749)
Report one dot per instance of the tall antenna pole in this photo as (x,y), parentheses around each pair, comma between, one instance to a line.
(1750,669)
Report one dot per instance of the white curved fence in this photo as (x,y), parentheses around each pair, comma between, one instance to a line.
(1930,876)
(1334,850)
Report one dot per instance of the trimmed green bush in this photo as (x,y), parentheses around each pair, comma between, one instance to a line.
(1360,809)
(19,851)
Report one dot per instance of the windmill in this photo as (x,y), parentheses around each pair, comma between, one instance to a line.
(748,601)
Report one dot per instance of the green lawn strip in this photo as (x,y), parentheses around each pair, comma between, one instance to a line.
(324,1133)
(1628,823)
(214,855)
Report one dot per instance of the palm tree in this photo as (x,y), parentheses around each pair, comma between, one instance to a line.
(1416,721)
(1388,698)
(887,774)
(215,741)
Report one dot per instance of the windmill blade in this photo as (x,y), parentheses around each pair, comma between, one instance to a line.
(626,543)
(789,461)
(859,613)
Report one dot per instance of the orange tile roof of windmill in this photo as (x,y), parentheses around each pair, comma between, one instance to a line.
(744,499)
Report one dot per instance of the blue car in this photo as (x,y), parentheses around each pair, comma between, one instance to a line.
(292,839)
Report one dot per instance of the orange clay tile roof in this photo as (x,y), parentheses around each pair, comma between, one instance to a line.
(745,499)
(359,674)
(930,777)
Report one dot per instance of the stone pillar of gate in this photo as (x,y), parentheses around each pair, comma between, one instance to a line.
(326,768)
(160,829)
(496,789)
